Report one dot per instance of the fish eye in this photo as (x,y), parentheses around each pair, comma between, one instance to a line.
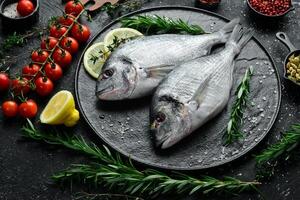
(107,73)
(160,117)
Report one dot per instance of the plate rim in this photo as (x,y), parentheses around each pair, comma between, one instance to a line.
(143,161)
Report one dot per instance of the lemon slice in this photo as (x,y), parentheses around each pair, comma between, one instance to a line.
(59,109)
(120,33)
(94,58)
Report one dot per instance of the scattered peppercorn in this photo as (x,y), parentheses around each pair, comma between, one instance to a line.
(271,7)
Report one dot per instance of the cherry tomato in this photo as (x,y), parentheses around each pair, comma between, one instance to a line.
(57,31)
(74,8)
(48,43)
(9,108)
(80,32)
(20,85)
(31,70)
(4,82)
(62,57)
(69,44)
(66,20)
(25,7)
(53,71)
(28,109)
(43,86)
(39,56)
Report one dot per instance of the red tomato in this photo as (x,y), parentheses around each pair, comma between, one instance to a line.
(53,71)
(66,20)
(69,44)
(4,82)
(48,43)
(62,57)
(39,56)
(31,70)
(43,86)
(28,109)
(25,7)
(20,86)
(9,108)
(80,32)
(74,8)
(57,31)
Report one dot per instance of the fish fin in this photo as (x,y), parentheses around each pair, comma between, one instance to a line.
(197,99)
(159,70)
(239,38)
(228,28)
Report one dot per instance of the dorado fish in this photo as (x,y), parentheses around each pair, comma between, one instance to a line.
(194,92)
(136,68)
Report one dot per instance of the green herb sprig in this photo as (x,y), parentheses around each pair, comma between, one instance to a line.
(14,40)
(232,132)
(155,24)
(125,177)
(112,171)
(289,142)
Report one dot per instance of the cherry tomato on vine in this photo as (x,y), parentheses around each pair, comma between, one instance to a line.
(25,7)
(39,56)
(31,71)
(4,82)
(43,86)
(62,57)
(69,44)
(66,20)
(57,31)
(53,71)
(20,85)
(9,108)
(74,7)
(28,109)
(48,43)
(80,32)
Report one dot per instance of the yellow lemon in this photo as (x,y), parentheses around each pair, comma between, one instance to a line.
(60,110)
(94,58)
(120,33)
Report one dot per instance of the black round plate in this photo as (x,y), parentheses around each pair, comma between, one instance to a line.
(124,125)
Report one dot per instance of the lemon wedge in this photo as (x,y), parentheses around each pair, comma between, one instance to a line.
(60,110)
(120,33)
(94,58)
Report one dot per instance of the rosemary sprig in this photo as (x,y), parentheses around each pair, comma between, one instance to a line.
(125,177)
(289,142)
(112,171)
(232,132)
(76,143)
(155,24)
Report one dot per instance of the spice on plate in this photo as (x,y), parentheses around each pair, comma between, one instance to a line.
(293,68)
(271,7)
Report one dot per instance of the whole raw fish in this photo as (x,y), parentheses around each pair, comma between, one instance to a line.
(194,92)
(136,68)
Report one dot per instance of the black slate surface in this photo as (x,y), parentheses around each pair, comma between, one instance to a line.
(25,167)
(124,126)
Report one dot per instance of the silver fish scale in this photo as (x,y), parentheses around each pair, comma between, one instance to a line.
(167,49)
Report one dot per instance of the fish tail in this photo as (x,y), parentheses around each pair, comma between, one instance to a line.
(239,38)
(227,29)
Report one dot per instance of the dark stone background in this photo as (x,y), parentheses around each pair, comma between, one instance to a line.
(25,167)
